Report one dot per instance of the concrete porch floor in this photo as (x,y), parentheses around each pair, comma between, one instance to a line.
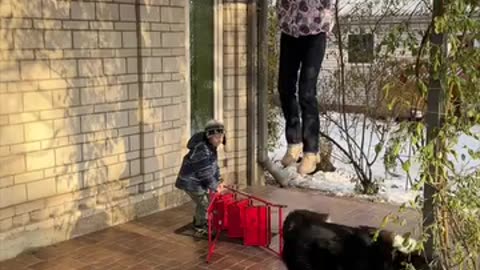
(153,242)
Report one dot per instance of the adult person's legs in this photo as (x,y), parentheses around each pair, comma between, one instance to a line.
(290,57)
(314,47)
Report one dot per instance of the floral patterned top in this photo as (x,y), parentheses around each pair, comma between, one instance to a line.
(305,17)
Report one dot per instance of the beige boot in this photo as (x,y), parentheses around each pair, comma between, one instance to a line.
(292,155)
(308,164)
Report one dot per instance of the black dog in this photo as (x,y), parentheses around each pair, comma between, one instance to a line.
(311,243)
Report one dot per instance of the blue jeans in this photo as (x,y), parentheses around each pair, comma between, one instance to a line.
(308,51)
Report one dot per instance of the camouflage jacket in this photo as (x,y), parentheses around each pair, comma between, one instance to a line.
(199,171)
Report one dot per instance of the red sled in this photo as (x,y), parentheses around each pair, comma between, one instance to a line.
(220,209)
(256,226)
(236,213)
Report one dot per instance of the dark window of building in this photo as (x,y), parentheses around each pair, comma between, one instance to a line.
(360,48)
(202,62)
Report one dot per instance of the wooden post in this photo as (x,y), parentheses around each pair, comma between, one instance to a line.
(434,120)
(254,172)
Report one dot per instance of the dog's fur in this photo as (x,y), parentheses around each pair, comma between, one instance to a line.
(311,243)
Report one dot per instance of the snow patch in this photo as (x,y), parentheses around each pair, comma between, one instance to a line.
(395,187)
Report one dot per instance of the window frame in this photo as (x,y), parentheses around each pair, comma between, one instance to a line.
(217,63)
(370,50)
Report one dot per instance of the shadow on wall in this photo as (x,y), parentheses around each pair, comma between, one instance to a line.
(69,127)
(70,120)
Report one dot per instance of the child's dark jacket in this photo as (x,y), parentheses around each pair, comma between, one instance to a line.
(199,171)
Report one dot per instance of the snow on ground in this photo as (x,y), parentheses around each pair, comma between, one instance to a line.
(395,187)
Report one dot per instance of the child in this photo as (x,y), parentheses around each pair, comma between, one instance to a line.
(200,173)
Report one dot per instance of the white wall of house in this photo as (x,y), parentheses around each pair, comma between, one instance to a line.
(358,27)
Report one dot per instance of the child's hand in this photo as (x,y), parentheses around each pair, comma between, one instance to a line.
(220,188)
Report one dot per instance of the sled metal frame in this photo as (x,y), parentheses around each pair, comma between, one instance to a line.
(212,240)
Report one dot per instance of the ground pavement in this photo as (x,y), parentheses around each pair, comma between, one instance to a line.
(160,241)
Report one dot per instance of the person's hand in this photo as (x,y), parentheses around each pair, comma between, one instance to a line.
(220,188)
(330,35)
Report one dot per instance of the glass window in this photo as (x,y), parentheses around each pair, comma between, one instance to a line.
(201,59)
(360,48)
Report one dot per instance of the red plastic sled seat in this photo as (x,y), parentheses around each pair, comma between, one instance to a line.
(236,212)
(220,211)
(256,232)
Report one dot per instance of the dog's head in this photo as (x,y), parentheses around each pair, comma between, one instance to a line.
(398,251)
(407,251)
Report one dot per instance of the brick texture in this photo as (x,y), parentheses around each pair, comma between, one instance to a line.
(164,240)
(235,90)
(70,120)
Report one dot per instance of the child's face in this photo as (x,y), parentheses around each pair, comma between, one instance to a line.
(216,139)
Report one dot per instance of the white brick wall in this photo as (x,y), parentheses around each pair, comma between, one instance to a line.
(69,104)
(83,10)
(85,39)
(28,39)
(54,9)
(235,90)
(69,108)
